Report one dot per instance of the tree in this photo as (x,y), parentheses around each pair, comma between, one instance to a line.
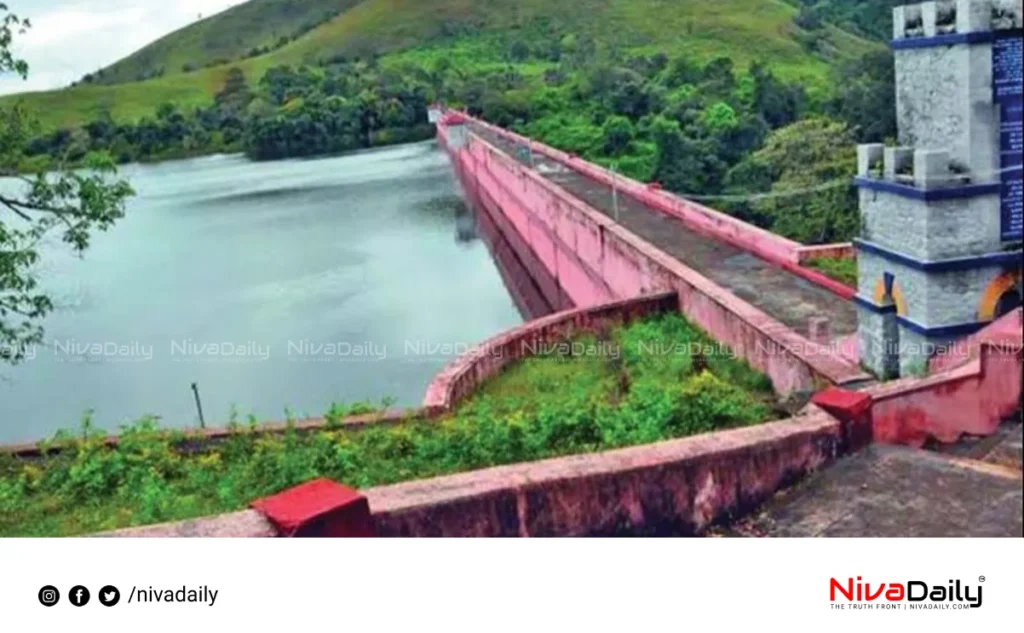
(235,95)
(717,77)
(684,163)
(809,19)
(682,72)
(617,134)
(720,117)
(72,203)
(777,103)
(518,51)
(810,165)
(866,97)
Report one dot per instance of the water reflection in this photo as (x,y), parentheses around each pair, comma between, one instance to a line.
(271,285)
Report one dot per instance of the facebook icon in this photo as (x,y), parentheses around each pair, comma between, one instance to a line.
(79,596)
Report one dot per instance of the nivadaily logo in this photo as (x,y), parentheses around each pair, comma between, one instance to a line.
(912,594)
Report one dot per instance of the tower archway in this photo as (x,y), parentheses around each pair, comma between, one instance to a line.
(1003,295)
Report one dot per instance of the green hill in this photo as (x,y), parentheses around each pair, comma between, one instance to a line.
(870,18)
(468,32)
(244,30)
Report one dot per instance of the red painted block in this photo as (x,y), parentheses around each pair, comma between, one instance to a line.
(853,409)
(453,118)
(319,508)
(842,402)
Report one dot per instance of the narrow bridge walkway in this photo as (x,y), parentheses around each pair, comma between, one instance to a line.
(782,295)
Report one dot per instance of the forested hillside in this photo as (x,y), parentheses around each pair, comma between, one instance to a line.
(869,18)
(190,66)
(726,100)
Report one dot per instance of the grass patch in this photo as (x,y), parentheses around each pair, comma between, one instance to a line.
(653,380)
(227,36)
(842,270)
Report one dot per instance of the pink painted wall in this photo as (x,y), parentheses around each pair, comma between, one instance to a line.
(973,398)
(465,374)
(591,260)
(782,252)
(711,222)
(842,250)
(966,349)
(679,487)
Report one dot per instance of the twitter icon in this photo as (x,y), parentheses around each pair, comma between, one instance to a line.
(109,596)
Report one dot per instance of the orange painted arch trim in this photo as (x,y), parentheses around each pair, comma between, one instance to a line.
(994,291)
(897,297)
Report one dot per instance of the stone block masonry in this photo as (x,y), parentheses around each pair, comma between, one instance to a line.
(939,252)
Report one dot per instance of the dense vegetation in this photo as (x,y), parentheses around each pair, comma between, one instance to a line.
(470,33)
(292,112)
(735,109)
(709,130)
(652,380)
(871,18)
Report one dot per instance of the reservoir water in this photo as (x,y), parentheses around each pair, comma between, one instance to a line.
(273,286)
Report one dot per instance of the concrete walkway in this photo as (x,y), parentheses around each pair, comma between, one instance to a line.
(1004,448)
(890,491)
(781,294)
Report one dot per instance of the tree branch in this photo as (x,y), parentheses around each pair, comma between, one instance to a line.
(14,205)
(13,208)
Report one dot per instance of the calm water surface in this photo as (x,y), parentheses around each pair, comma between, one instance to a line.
(274,286)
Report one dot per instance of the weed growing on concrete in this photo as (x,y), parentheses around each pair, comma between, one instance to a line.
(842,270)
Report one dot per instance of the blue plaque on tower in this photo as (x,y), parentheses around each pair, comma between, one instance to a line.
(1008,94)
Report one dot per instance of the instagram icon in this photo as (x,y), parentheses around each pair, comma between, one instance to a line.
(49,596)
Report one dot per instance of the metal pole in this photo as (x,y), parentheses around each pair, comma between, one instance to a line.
(615,193)
(199,405)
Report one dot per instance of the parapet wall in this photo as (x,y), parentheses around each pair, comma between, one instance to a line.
(467,373)
(679,487)
(456,381)
(843,250)
(588,258)
(782,252)
(969,348)
(966,398)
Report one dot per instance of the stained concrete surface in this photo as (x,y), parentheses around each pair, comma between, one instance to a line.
(788,298)
(1003,448)
(891,491)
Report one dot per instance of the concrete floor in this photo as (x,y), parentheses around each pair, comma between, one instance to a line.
(783,295)
(891,491)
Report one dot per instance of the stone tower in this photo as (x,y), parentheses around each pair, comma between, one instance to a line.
(939,254)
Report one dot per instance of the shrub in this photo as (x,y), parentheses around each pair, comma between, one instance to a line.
(655,379)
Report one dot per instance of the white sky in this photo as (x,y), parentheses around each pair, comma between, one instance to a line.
(70,38)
